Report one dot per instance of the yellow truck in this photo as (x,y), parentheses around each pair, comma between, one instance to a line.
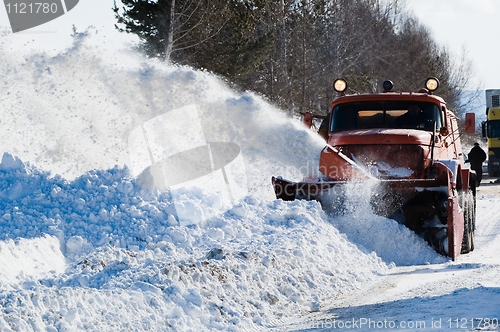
(491,130)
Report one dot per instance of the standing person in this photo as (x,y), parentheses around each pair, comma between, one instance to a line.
(476,158)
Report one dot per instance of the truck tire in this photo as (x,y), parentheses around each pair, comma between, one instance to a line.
(469,223)
(473,222)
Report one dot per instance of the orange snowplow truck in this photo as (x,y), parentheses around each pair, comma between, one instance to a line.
(409,144)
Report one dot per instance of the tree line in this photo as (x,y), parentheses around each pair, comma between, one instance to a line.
(290,51)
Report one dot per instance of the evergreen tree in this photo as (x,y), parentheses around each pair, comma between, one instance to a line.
(166,27)
(152,21)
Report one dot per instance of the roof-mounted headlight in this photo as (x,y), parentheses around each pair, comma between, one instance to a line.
(432,84)
(387,86)
(340,85)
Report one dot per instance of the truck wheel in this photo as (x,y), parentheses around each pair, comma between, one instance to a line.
(473,222)
(468,237)
(472,235)
(466,240)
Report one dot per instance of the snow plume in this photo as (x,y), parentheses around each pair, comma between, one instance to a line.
(74,111)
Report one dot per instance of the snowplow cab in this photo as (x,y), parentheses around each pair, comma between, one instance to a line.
(410,143)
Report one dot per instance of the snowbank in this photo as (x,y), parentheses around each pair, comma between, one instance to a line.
(127,256)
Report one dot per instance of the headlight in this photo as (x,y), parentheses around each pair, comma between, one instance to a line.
(387,85)
(432,84)
(340,85)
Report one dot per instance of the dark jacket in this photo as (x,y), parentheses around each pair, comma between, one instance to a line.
(476,157)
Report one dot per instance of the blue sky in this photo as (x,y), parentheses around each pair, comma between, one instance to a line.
(455,24)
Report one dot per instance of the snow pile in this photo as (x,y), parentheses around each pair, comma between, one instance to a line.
(127,257)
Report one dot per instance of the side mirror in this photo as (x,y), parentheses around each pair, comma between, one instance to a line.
(470,123)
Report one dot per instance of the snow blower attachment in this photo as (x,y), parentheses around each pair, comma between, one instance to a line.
(409,143)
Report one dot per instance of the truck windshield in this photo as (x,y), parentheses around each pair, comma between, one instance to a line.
(386,114)
(494,128)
